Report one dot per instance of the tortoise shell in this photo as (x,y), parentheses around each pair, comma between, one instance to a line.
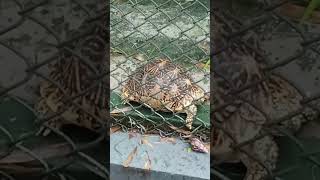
(165,86)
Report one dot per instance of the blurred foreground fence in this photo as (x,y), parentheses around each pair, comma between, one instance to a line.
(34,34)
(291,49)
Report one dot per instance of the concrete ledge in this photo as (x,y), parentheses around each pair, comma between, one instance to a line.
(168,160)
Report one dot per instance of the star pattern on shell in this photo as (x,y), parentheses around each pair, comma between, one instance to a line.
(164,86)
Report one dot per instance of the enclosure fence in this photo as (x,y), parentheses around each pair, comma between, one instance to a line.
(142,31)
(271,20)
(23,153)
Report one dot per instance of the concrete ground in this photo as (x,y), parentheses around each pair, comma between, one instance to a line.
(171,159)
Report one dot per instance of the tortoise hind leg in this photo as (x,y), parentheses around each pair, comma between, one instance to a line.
(263,151)
(191,112)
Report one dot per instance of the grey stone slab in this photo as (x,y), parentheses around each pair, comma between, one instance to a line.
(168,160)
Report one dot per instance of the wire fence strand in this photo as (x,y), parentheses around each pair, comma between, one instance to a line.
(235,39)
(143,32)
(76,70)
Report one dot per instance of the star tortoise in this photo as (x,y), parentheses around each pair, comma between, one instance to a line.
(165,86)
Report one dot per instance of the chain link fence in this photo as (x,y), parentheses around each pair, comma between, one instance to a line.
(292,52)
(140,32)
(143,31)
(38,40)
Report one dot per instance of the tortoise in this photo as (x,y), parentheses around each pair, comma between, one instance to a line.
(164,86)
(248,102)
(72,76)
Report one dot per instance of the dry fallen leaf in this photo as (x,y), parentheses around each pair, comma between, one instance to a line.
(114,129)
(147,164)
(198,146)
(130,157)
(145,141)
(187,136)
(180,130)
(168,139)
(121,110)
(132,134)
(200,65)
(139,57)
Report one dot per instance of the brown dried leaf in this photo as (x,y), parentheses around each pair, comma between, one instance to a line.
(139,57)
(147,164)
(187,136)
(180,130)
(132,134)
(198,146)
(145,141)
(130,157)
(168,139)
(114,129)
(121,110)
(200,65)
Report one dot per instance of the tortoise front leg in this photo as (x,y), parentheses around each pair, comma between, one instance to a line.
(191,111)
